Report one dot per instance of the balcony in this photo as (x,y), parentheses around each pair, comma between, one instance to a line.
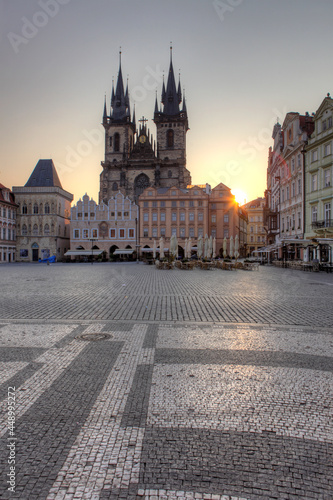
(321,224)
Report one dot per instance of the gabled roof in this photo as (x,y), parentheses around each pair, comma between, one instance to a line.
(327,103)
(7,198)
(44,175)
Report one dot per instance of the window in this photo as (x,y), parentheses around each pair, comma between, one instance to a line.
(199,203)
(162,204)
(327,213)
(314,156)
(251,229)
(24,252)
(116,142)
(293,165)
(200,216)
(162,232)
(299,221)
(287,193)
(182,232)
(226,218)
(35,208)
(76,233)
(324,125)
(182,216)
(213,233)
(299,185)
(191,216)
(191,203)
(154,216)
(121,233)
(329,122)
(299,160)
(47,208)
(170,138)
(35,230)
(126,214)
(283,224)
(174,216)
(131,233)
(24,209)
(112,233)
(293,223)
(94,233)
(314,214)
(145,232)
(3,212)
(327,177)
(182,203)
(169,174)
(226,233)
(213,206)
(173,204)
(85,233)
(173,193)
(293,190)
(154,232)
(200,232)
(24,230)
(46,229)
(287,224)
(213,218)
(119,214)
(162,216)
(110,142)
(154,204)
(258,239)
(191,230)
(145,217)
(145,204)
(314,182)
(327,149)
(196,193)
(92,215)
(173,231)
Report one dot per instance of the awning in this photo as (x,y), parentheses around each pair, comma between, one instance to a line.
(83,252)
(157,250)
(126,251)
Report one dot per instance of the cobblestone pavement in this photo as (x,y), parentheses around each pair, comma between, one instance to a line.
(135,383)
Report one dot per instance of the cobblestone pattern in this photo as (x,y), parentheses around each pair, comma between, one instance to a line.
(143,293)
(21,372)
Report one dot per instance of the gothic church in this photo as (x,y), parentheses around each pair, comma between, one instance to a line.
(133,161)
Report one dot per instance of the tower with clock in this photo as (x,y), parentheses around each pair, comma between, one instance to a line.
(133,159)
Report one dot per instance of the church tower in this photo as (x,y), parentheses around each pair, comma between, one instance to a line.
(171,121)
(119,139)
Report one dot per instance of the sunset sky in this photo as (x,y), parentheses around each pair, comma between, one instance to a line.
(243,64)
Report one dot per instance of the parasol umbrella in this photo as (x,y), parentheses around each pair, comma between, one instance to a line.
(189,248)
(161,248)
(236,253)
(154,250)
(231,251)
(214,247)
(206,247)
(199,247)
(210,247)
(185,250)
(225,248)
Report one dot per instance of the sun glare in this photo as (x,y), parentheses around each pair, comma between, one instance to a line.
(240,196)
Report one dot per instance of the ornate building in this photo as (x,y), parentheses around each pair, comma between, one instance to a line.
(7,225)
(43,215)
(133,161)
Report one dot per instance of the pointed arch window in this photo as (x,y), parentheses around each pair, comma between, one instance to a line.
(35,208)
(116,142)
(24,230)
(24,209)
(46,229)
(170,138)
(47,208)
(35,229)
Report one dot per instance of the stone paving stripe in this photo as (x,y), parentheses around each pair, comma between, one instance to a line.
(20,353)
(254,465)
(151,337)
(136,409)
(18,379)
(68,338)
(243,357)
(46,432)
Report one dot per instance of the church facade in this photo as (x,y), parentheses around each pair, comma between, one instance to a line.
(133,160)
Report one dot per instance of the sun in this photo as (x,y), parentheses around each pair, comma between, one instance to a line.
(240,196)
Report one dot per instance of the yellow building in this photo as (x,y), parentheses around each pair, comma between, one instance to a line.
(256,234)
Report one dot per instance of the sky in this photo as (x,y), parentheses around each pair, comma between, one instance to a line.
(243,64)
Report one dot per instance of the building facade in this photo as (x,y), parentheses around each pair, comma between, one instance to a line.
(110,228)
(226,219)
(256,233)
(174,211)
(318,184)
(8,209)
(43,215)
(133,160)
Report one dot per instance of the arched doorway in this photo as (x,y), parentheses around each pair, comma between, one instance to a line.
(35,251)
(181,252)
(111,251)
(141,182)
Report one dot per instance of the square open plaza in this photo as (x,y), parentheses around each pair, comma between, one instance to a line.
(122,380)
